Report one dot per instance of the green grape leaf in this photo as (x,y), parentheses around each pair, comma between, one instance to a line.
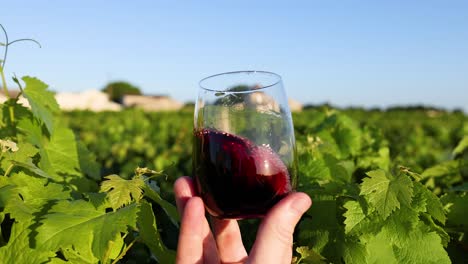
(25,152)
(433,205)
(23,158)
(9,127)
(379,159)
(59,156)
(321,230)
(170,209)
(354,215)
(347,136)
(32,131)
(355,218)
(12,203)
(115,248)
(31,195)
(309,256)
(457,207)
(18,249)
(149,234)
(72,256)
(78,225)
(7,192)
(340,170)
(354,251)
(386,192)
(401,222)
(87,160)
(121,192)
(42,101)
(380,250)
(442,169)
(305,233)
(419,202)
(357,222)
(29,165)
(462,145)
(325,143)
(61,261)
(98,200)
(339,135)
(420,246)
(313,169)
(429,221)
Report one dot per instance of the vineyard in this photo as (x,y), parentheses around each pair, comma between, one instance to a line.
(83,187)
(388,187)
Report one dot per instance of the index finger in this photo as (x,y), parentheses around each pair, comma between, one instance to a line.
(183,191)
(191,222)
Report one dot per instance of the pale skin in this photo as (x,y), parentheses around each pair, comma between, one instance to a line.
(222,242)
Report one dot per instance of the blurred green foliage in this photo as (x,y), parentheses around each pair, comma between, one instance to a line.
(342,154)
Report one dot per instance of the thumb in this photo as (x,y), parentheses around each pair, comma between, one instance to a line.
(275,234)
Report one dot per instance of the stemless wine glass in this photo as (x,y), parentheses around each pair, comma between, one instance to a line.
(244,154)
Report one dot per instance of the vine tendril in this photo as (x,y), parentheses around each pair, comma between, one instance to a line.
(7,43)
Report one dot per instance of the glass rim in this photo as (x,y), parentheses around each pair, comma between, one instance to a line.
(278,80)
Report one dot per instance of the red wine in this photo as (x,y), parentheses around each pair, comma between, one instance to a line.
(236,178)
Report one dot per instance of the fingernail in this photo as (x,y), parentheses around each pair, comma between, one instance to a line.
(301,204)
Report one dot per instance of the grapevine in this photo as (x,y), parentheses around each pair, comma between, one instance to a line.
(54,205)
(387,186)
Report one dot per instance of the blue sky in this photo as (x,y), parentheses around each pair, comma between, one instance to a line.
(362,53)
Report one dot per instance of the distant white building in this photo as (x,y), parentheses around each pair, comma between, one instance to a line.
(151,103)
(13,94)
(294,105)
(92,100)
(3,98)
(264,102)
(97,101)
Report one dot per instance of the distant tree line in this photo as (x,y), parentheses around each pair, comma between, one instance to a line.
(389,109)
(117,90)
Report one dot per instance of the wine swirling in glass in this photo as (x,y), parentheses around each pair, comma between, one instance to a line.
(244,155)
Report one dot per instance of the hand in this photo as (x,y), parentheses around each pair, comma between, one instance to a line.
(198,244)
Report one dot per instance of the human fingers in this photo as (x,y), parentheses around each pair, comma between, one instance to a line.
(191,236)
(275,235)
(183,191)
(229,241)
